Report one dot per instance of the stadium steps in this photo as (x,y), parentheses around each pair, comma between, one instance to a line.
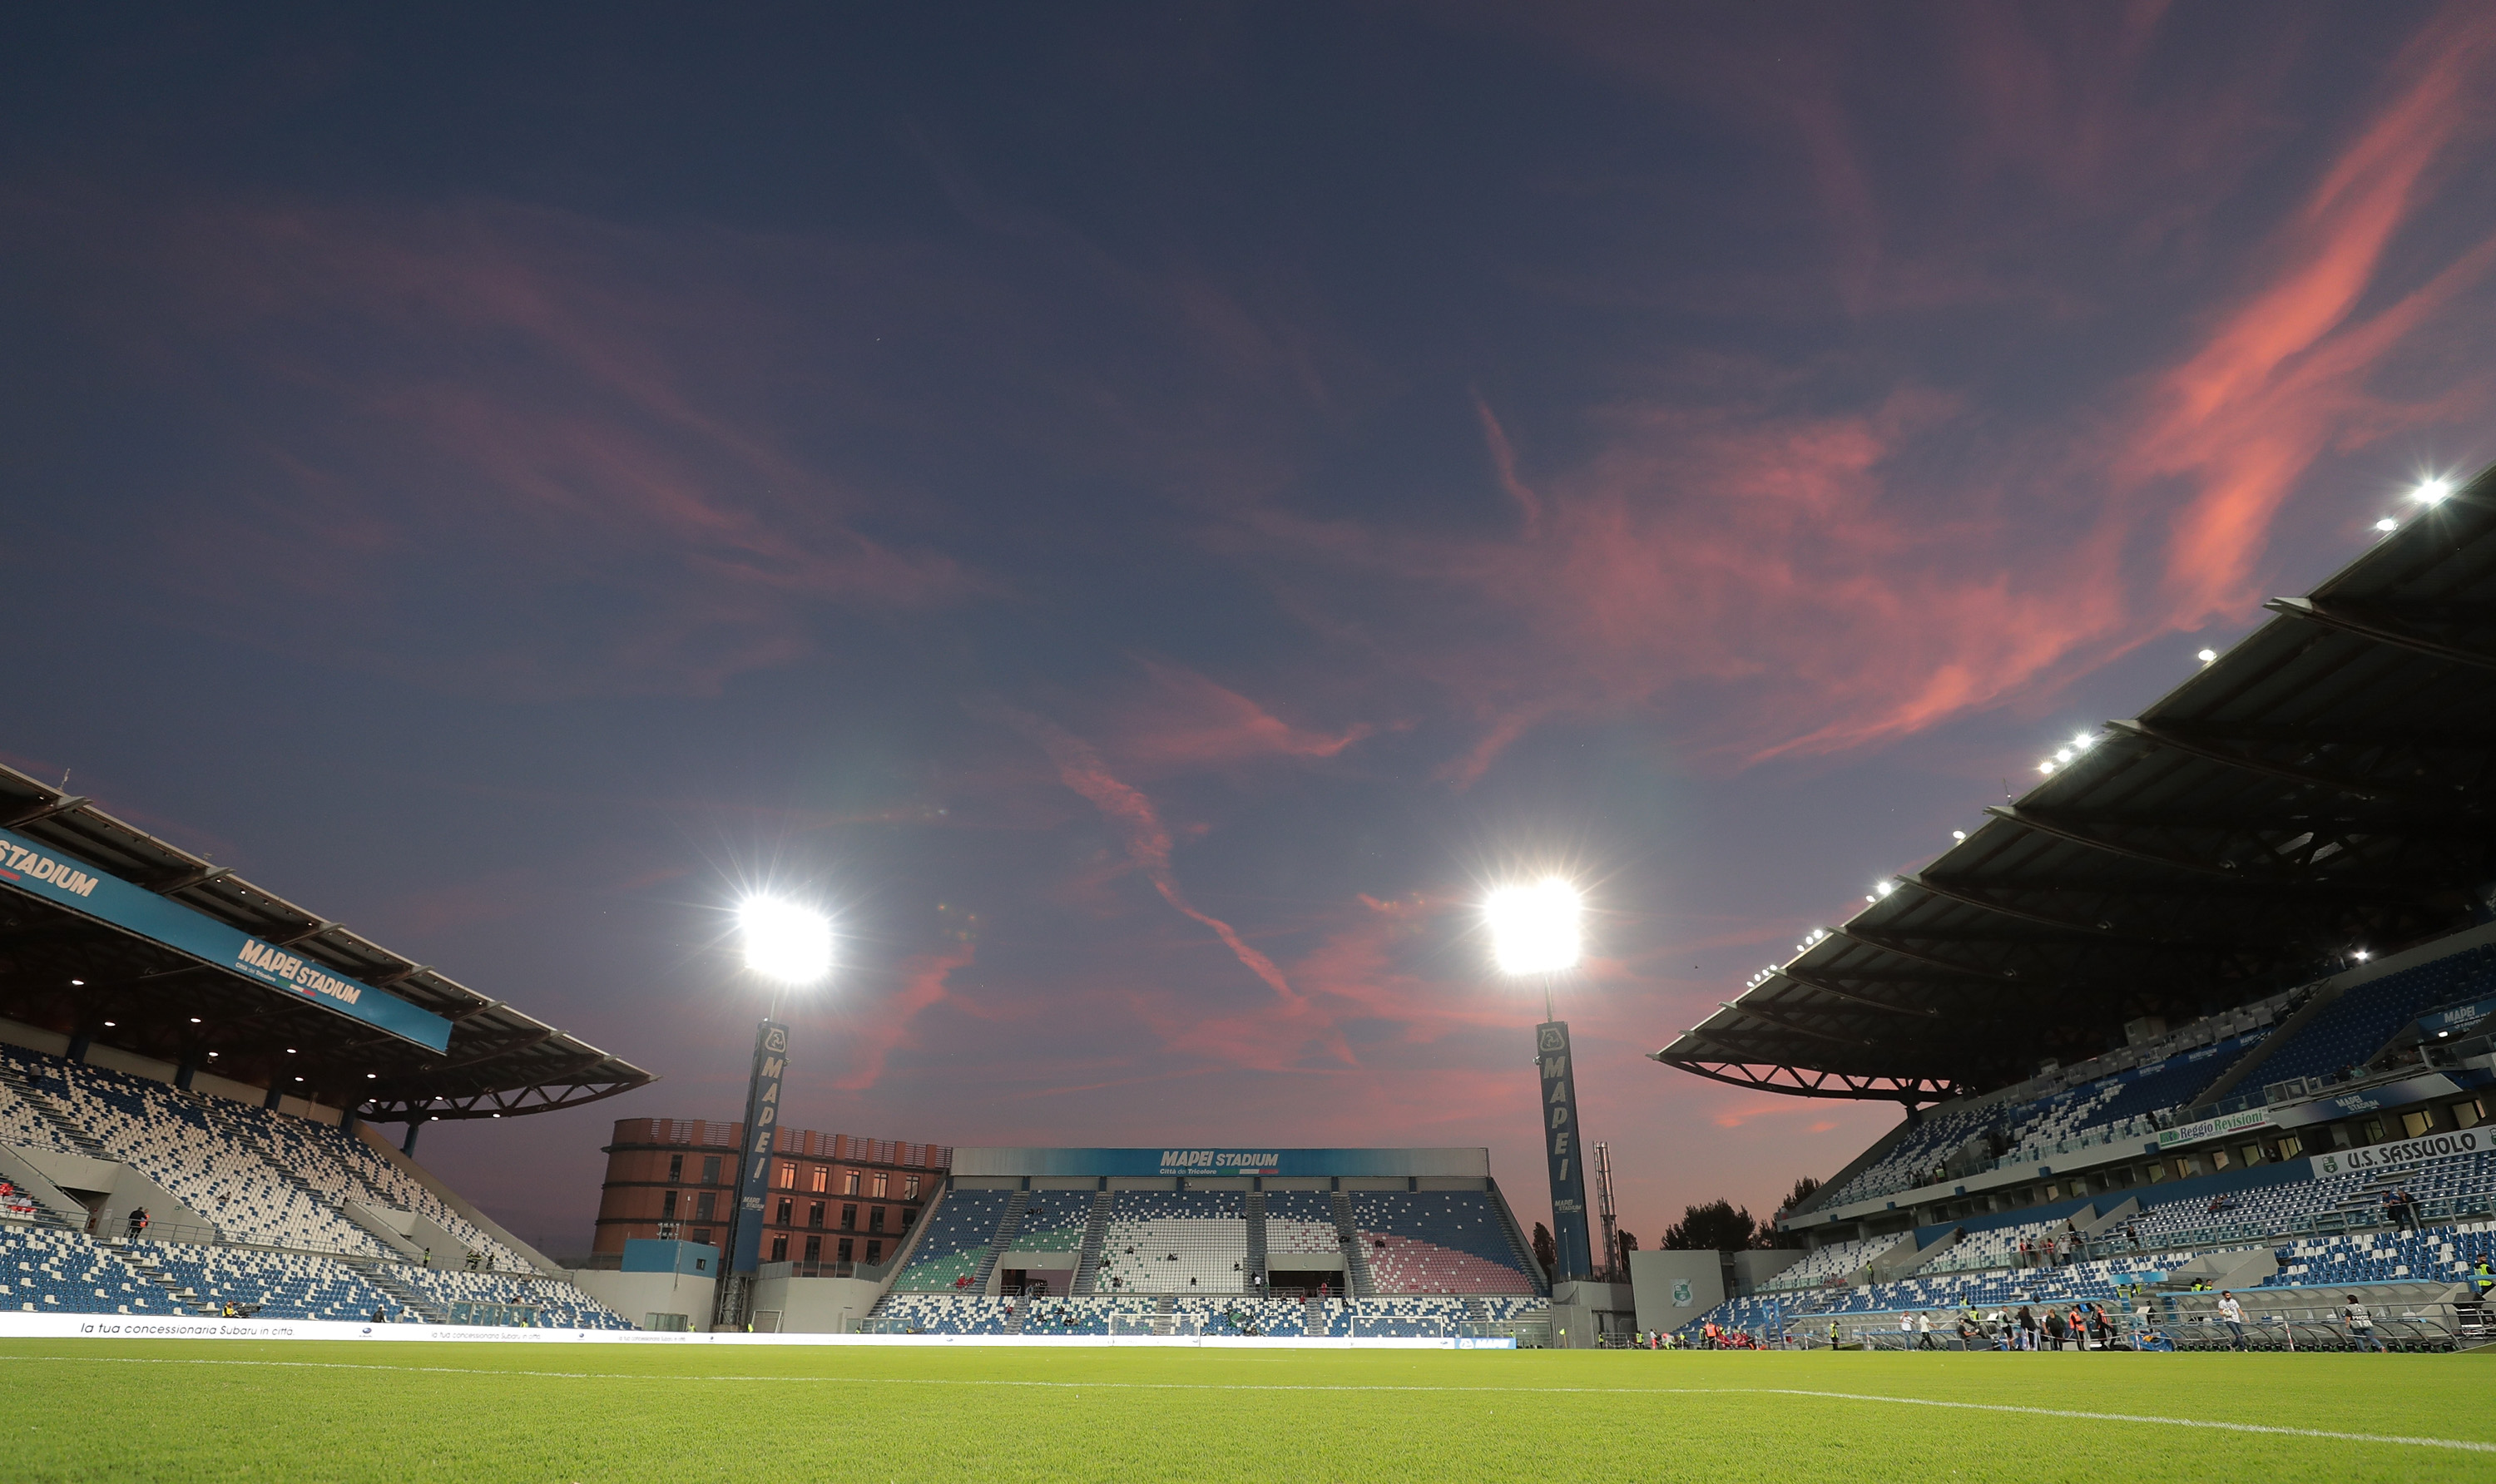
(378,1274)
(1253,1270)
(1007,1225)
(1166,1316)
(62,1124)
(1355,1262)
(1519,1243)
(2282,1033)
(243,1133)
(1096,1236)
(185,1298)
(1313,1315)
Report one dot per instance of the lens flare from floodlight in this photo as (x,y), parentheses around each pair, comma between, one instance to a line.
(2432,491)
(1533,927)
(784,941)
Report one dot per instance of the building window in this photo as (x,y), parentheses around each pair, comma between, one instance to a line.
(908,1216)
(2291,1146)
(880,1179)
(2464,1115)
(874,1220)
(675,1168)
(849,1182)
(2417,1122)
(786,1209)
(788,1176)
(814,1248)
(874,1252)
(823,1178)
(910,1188)
(710,1169)
(814,1215)
(668,1207)
(845,1249)
(703,1210)
(701,1236)
(779,1248)
(849,1219)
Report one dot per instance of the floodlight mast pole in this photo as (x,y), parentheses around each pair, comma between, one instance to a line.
(736,1308)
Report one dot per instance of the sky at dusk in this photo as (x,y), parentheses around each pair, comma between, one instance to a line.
(1146,510)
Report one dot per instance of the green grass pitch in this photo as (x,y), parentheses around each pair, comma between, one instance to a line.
(174,1410)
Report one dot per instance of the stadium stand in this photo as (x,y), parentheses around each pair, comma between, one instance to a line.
(1299,1224)
(272,1186)
(1054,1222)
(1437,1242)
(556,1304)
(275,1286)
(2356,1260)
(1175,1242)
(954,1241)
(44,1271)
(2348,1033)
(163,1135)
(2104,1100)
(1831,1263)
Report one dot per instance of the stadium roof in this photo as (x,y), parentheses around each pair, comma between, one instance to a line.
(2319,790)
(162,1001)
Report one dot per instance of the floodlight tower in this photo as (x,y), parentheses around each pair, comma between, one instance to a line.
(1534,930)
(1603,1208)
(791,946)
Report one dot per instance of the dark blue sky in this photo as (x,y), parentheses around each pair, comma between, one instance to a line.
(1146,509)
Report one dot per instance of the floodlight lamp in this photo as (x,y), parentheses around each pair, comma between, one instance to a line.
(2388,525)
(2363,955)
(2432,491)
(2207,656)
(784,941)
(1958,834)
(2047,766)
(1533,927)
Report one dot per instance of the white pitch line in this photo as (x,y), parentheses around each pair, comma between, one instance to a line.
(2462,1444)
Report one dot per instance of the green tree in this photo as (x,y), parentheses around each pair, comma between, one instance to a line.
(1718,1226)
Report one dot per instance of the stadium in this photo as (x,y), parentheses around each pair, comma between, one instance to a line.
(1111,741)
(2193,1043)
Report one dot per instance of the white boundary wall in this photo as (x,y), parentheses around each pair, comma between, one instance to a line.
(115,1326)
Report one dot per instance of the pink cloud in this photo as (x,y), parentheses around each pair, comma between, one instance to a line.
(1772,567)
(1148,840)
(924,978)
(1190,722)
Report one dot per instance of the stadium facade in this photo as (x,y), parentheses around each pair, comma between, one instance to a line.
(2208,1007)
(833,1199)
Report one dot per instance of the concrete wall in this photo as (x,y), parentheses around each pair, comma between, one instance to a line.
(1656,1277)
(1582,1310)
(124,1189)
(816,1306)
(637,1295)
(1754,1268)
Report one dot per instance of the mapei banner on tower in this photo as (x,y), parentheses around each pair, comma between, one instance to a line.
(51,877)
(1563,1151)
